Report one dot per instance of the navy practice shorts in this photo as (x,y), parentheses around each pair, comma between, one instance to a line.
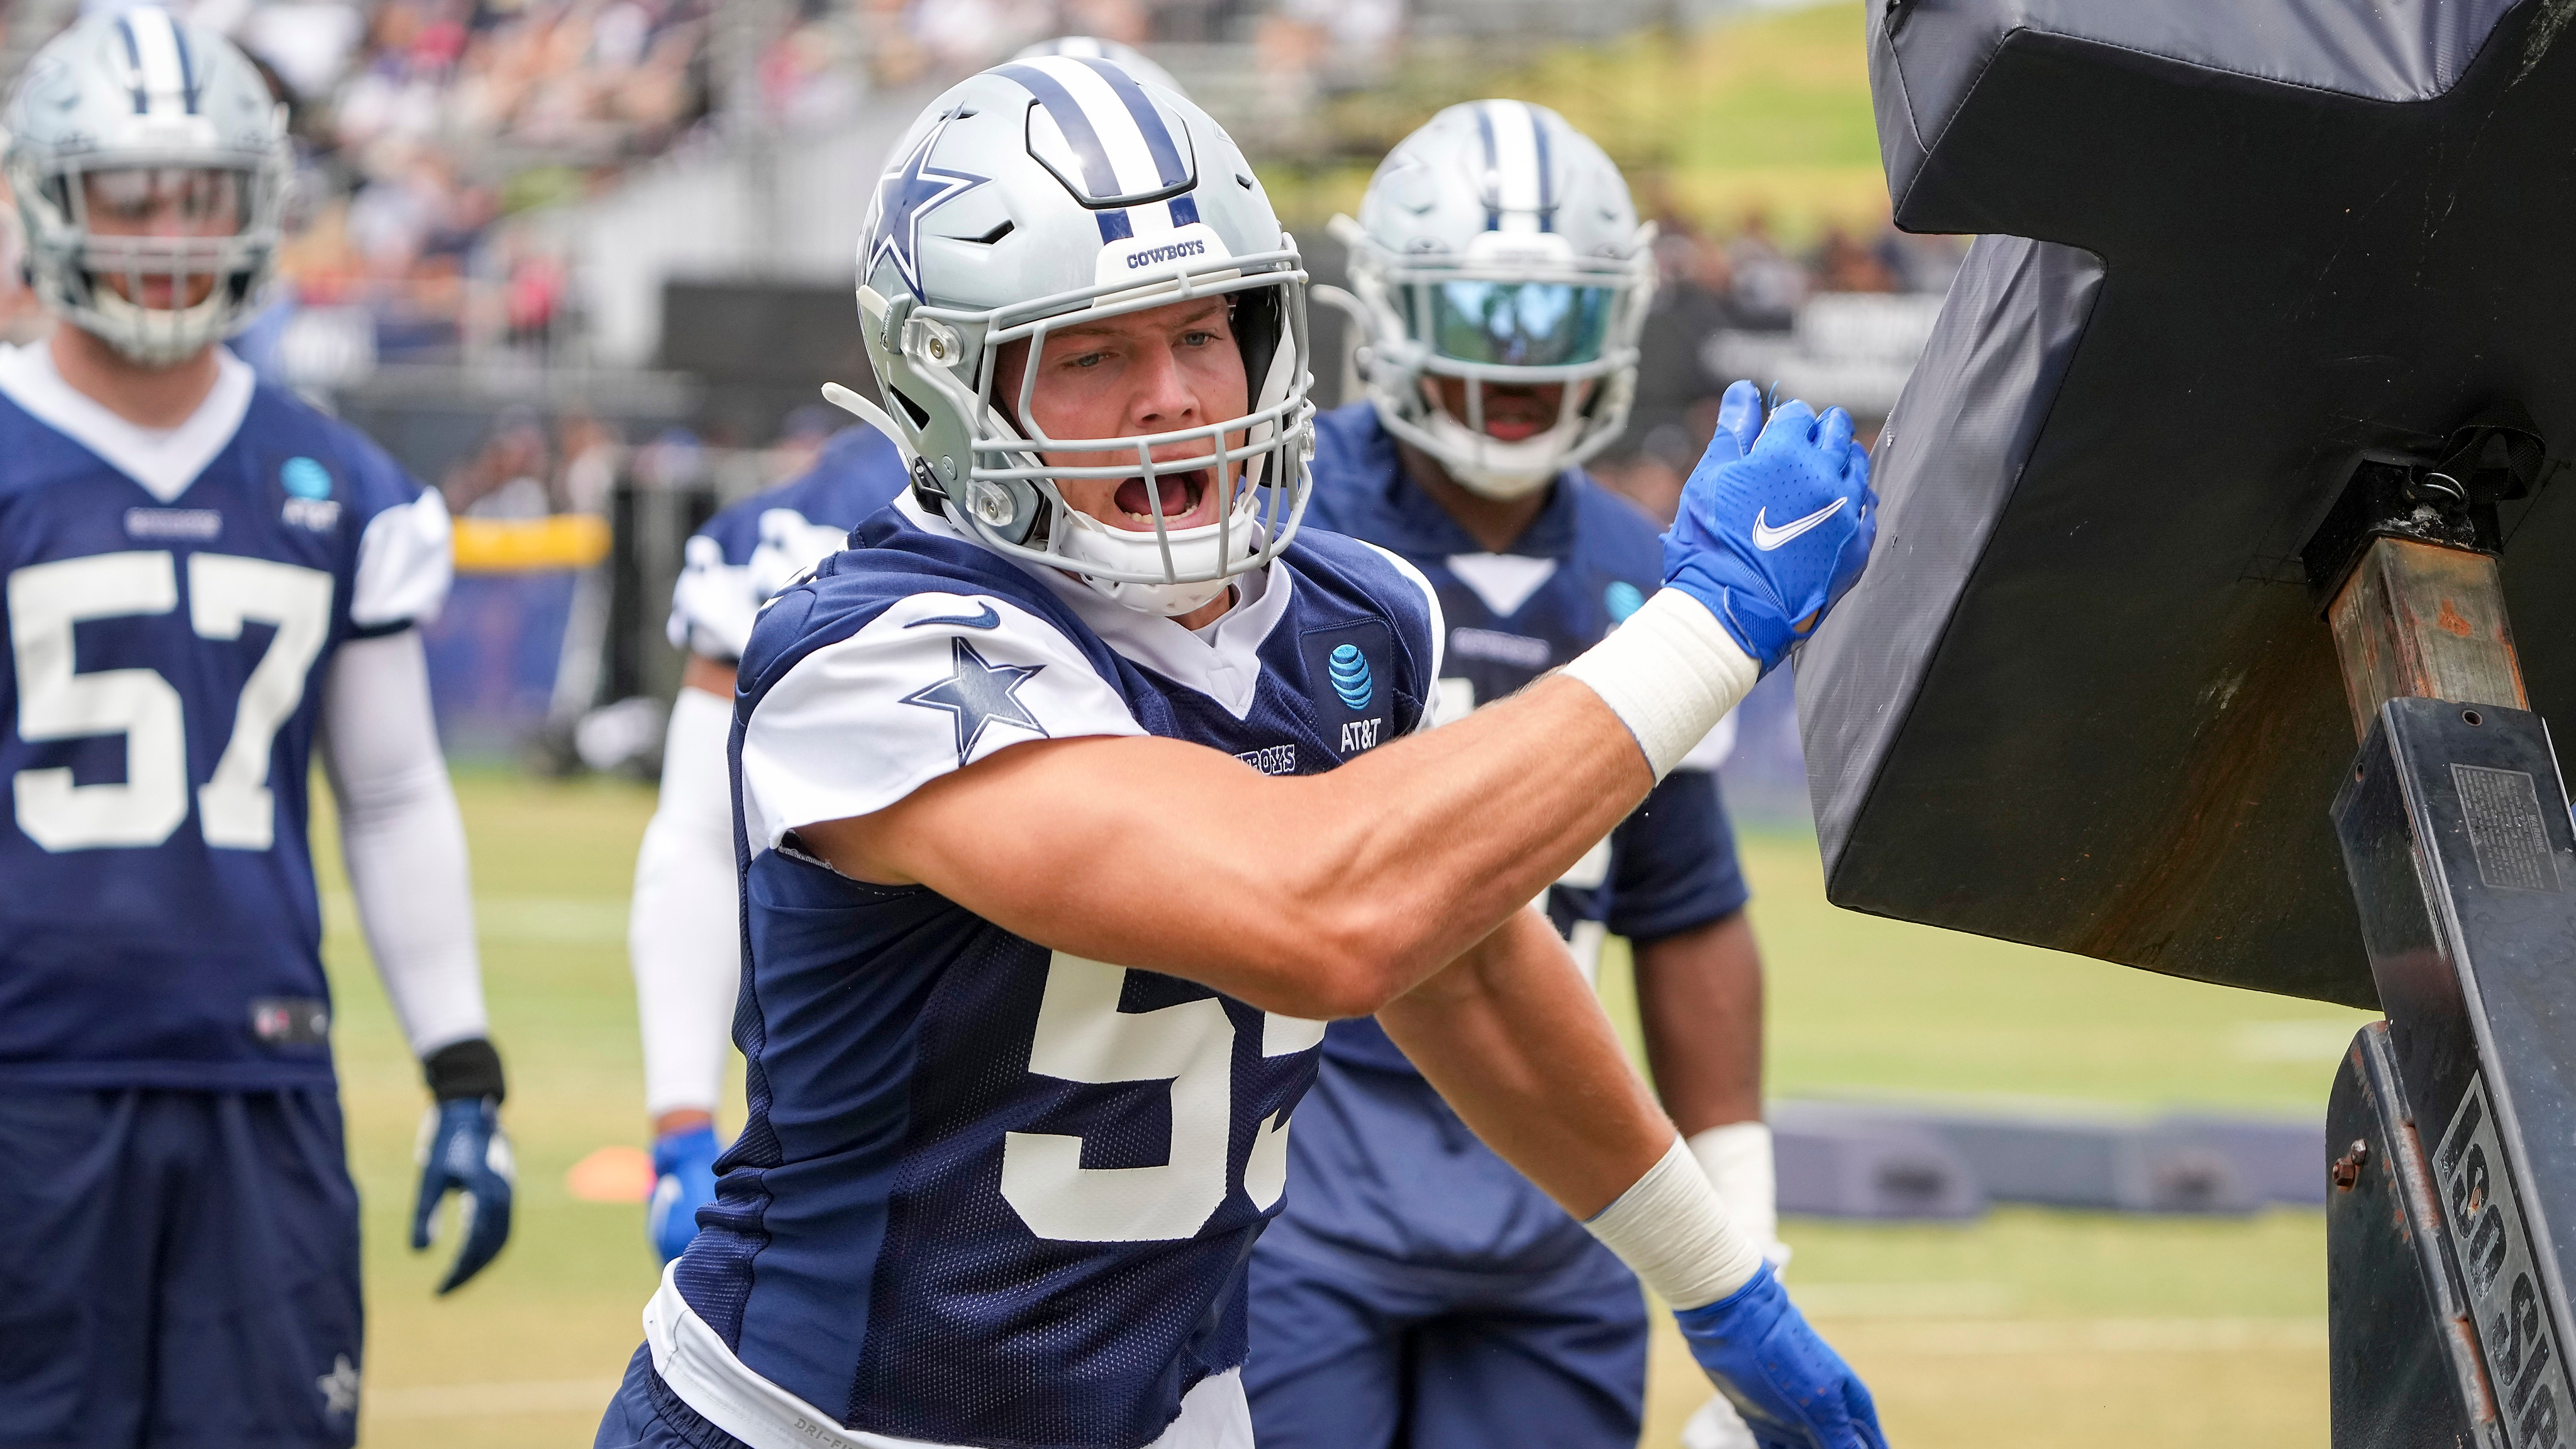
(647,1415)
(1354,1351)
(177,1268)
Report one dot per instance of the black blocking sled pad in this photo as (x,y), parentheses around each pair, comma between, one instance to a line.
(2239,258)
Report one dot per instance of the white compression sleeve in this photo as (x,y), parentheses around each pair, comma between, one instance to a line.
(403,838)
(1670,673)
(684,932)
(1673,1233)
(1737,1159)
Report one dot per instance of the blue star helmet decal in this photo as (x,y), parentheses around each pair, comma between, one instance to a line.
(979,695)
(910,188)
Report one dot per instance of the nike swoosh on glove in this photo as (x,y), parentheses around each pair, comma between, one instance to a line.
(684,1180)
(1768,538)
(1793,1391)
(464,1151)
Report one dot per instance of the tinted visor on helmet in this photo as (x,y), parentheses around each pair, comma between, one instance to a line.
(1519,324)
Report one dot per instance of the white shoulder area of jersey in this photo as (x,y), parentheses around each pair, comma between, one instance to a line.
(1222,661)
(1431,713)
(164,460)
(935,683)
(713,603)
(405,564)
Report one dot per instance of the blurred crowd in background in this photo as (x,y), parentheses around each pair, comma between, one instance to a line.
(535,245)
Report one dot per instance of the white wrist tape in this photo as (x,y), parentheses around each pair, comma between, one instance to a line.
(1670,673)
(1737,1159)
(1672,1232)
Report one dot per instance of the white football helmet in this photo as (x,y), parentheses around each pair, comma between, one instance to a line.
(1091,47)
(136,111)
(1497,245)
(1047,192)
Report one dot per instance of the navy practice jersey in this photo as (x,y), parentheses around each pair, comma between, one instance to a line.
(1587,562)
(750,550)
(173,601)
(989,1193)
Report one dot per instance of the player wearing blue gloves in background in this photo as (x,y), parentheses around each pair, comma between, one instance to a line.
(1079,793)
(683,938)
(1416,1289)
(207,584)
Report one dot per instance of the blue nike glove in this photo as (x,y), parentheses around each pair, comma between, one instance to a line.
(464,1151)
(1793,1391)
(684,1180)
(1769,536)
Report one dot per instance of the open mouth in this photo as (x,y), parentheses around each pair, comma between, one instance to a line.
(1181,495)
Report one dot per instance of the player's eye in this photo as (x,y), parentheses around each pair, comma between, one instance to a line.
(1197,337)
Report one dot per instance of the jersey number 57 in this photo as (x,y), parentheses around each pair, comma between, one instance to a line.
(225,592)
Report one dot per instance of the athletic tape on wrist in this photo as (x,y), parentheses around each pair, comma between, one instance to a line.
(1670,673)
(1737,1159)
(1673,1233)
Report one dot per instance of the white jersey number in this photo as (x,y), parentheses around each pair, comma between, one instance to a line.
(1082,1036)
(56,703)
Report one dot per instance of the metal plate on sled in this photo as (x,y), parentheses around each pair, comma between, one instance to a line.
(2083,698)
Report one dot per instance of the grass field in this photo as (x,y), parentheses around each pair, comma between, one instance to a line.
(2027,1328)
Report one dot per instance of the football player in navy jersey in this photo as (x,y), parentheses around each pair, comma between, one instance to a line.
(1079,793)
(204,580)
(683,935)
(1416,1289)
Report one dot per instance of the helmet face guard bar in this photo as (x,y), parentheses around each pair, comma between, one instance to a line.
(231,264)
(1257,461)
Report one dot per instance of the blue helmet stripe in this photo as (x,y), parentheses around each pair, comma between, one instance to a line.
(1115,225)
(1493,192)
(133,58)
(187,70)
(1070,118)
(1185,210)
(1158,137)
(1546,181)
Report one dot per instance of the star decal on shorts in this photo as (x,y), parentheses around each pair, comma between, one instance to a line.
(340,1387)
(909,188)
(978,696)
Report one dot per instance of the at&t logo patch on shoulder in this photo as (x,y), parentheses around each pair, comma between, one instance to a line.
(1350,673)
(309,503)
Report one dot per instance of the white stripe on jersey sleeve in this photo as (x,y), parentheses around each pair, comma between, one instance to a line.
(919,692)
(405,563)
(1439,633)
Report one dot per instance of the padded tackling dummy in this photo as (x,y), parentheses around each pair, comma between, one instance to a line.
(2085,697)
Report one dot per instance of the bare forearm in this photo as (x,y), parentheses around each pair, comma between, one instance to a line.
(1517,1044)
(1374,875)
(1699,997)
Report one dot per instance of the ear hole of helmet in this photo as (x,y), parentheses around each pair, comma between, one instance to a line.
(1258,330)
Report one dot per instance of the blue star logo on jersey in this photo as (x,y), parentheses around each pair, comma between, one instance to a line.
(910,188)
(1350,673)
(978,696)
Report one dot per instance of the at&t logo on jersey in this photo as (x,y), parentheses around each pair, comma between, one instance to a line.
(1349,669)
(309,503)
